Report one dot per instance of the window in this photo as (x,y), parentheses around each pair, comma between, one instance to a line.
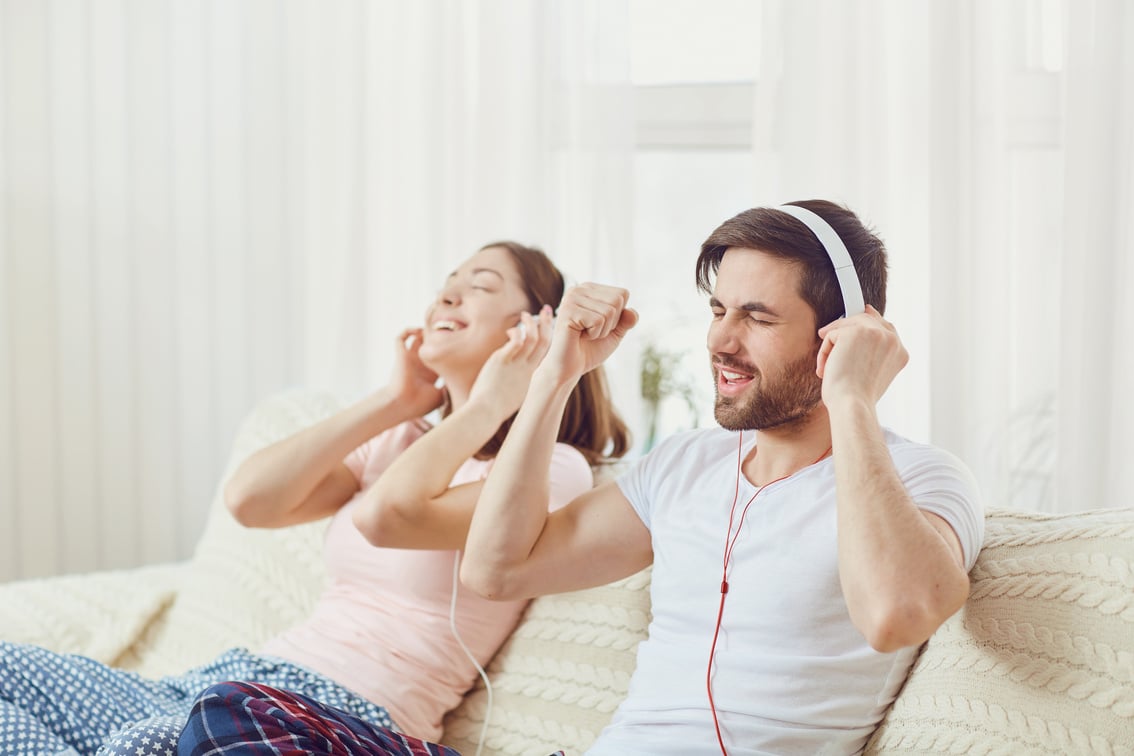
(693,66)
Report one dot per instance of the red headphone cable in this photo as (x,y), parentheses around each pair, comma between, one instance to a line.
(730,543)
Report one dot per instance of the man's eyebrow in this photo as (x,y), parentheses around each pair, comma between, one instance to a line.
(747,307)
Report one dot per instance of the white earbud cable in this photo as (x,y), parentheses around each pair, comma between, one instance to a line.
(468,653)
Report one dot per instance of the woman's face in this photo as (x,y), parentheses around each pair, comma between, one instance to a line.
(479,302)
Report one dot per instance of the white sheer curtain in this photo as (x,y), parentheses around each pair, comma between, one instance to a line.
(205,202)
(992,143)
(476,121)
(1096,309)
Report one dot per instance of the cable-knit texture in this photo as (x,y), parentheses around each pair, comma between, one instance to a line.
(98,615)
(1041,658)
(561,675)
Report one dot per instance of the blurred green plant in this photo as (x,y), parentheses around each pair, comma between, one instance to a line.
(662,377)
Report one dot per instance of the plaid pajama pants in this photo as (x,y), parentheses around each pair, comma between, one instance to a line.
(248,719)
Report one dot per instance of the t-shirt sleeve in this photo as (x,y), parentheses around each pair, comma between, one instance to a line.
(638,482)
(568,477)
(941,484)
(356,460)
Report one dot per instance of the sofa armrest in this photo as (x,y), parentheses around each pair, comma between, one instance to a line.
(98,614)
(1041,658)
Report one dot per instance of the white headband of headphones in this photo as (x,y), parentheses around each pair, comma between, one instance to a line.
(837,251)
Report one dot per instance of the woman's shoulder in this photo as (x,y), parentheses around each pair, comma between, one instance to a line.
(567,457)
(378,452)
(569,474)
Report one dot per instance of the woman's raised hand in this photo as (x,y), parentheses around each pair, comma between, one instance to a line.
(503,381)
(412,382)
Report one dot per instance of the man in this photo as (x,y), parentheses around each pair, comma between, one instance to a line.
(801,552)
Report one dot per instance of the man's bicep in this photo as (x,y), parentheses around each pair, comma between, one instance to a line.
(942,526)
(595,539)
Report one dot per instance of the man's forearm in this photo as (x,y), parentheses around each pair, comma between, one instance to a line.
(512,508)
(899,576)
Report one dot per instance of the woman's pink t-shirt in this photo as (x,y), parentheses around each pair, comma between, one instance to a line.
(381,626)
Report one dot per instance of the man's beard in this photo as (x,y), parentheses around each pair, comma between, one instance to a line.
(770,403)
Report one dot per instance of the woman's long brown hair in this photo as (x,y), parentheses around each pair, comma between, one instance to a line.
(590,422)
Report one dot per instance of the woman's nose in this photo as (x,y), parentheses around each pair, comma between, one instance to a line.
(449,295)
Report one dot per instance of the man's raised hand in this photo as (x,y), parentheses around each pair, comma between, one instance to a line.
(589,326)
(859,357)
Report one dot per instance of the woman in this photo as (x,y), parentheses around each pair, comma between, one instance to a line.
(378,643)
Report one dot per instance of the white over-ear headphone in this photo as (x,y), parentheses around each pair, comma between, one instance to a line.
(853,303)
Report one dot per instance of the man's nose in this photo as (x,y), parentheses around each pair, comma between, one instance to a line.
(721,338)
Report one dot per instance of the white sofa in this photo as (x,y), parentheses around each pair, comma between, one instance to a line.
(1040,660)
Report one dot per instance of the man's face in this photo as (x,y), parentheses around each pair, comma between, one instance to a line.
(762,343)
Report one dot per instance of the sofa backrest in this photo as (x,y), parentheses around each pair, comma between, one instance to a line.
(561,675)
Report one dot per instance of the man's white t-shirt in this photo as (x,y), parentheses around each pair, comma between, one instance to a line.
(792,674)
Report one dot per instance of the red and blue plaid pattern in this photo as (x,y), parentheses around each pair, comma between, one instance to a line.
(257,720)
